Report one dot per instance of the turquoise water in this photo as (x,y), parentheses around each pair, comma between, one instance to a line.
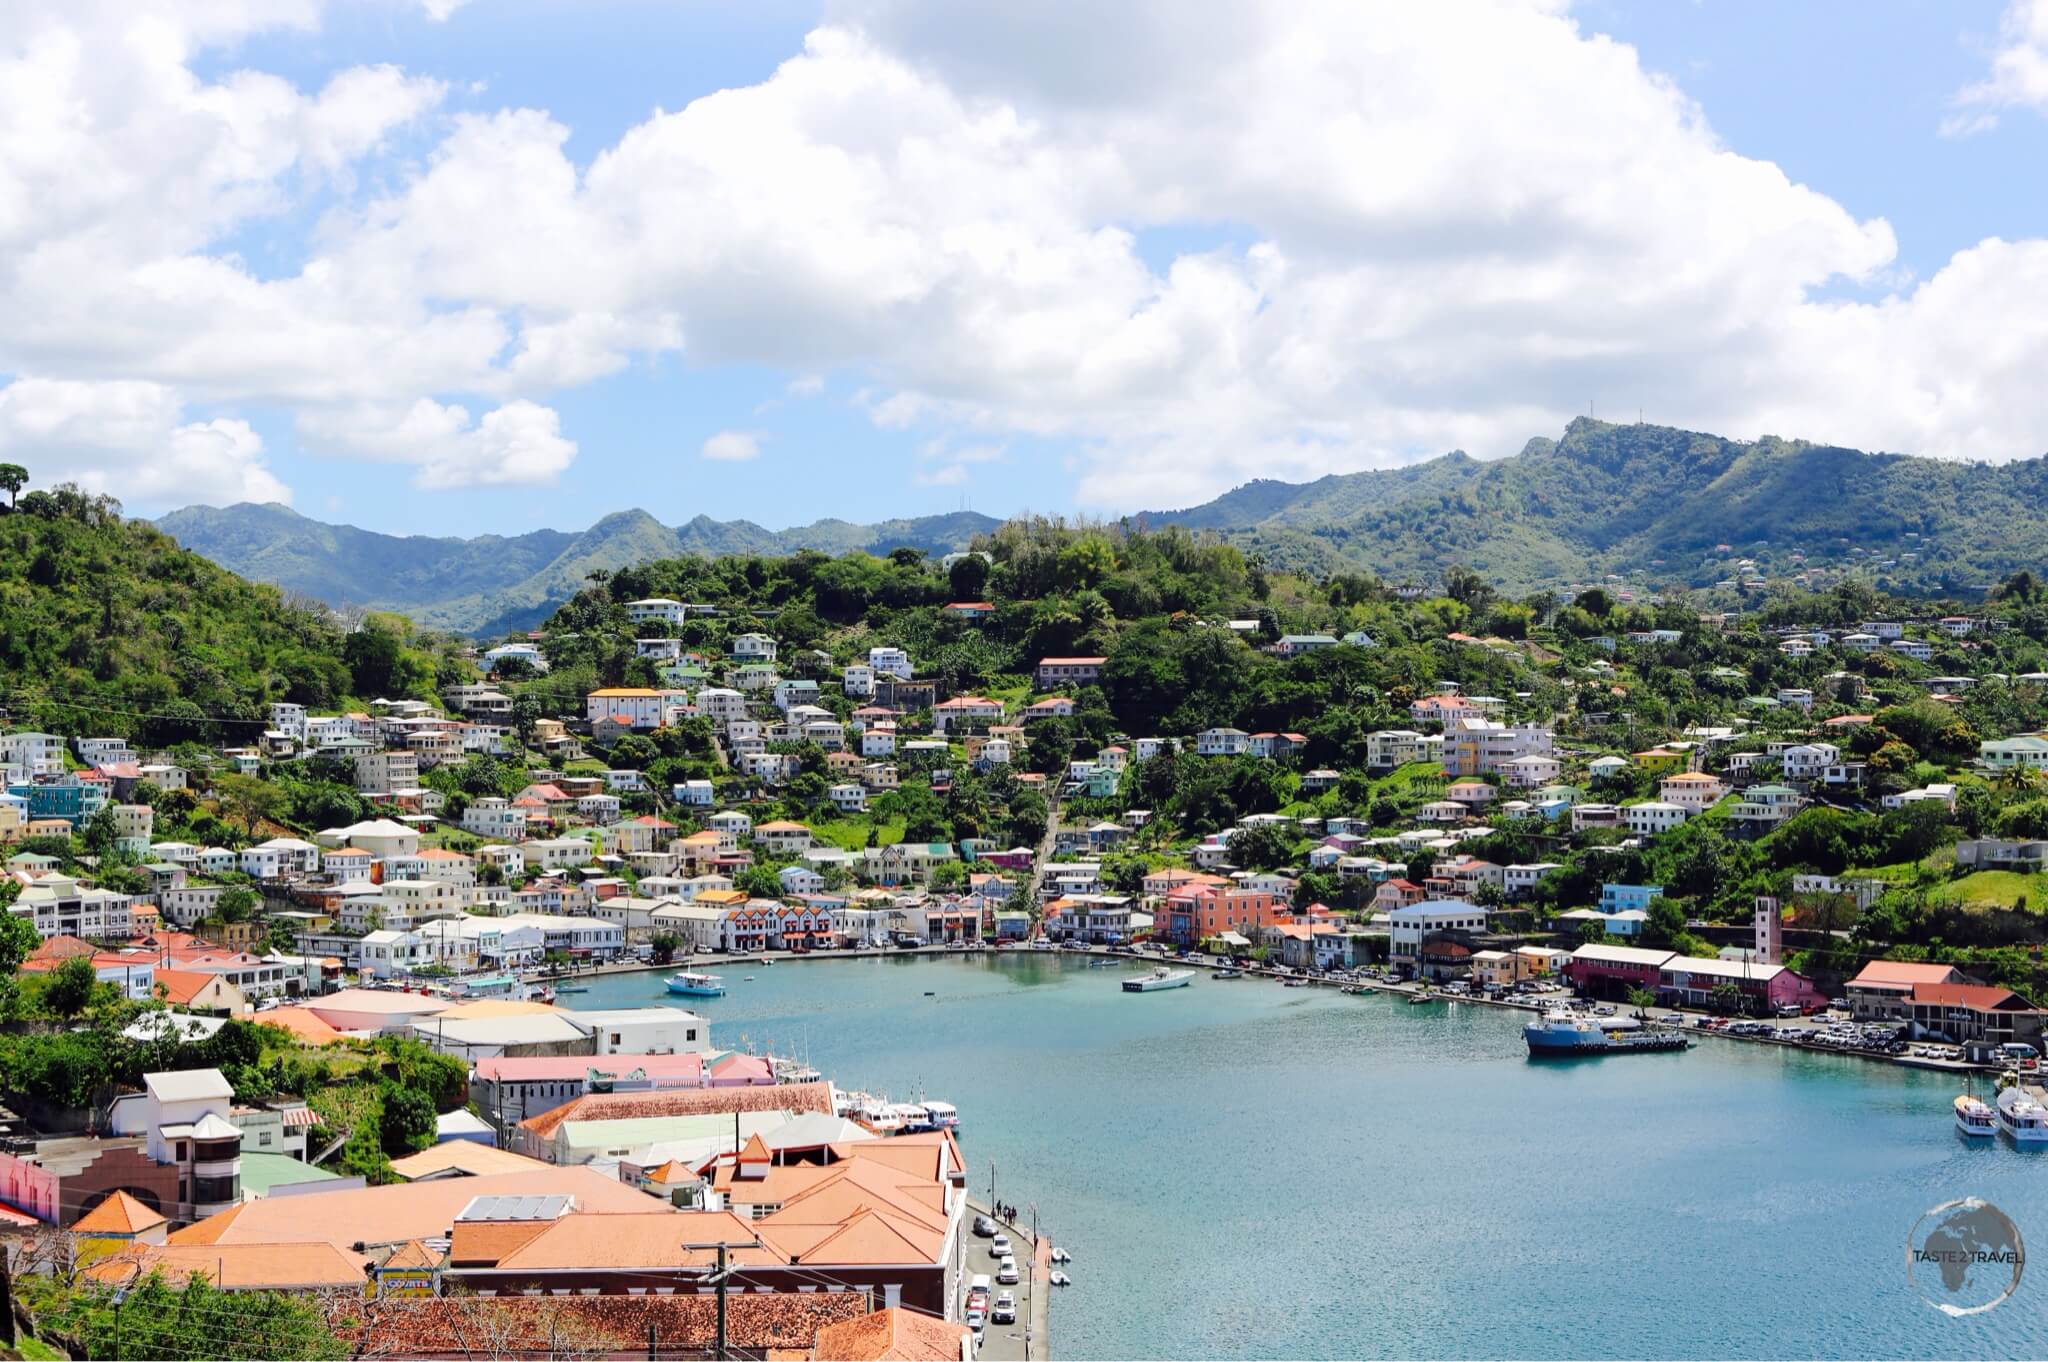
(1243,1170)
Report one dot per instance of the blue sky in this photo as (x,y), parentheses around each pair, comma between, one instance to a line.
(1057,291)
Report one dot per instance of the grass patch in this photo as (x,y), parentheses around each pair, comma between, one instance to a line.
(1996,889)
(851,834)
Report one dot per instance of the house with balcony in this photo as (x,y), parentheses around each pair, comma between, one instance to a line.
(183,1120)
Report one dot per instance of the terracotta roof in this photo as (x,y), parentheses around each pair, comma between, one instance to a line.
(1902,973)
(896,1335)
(412,1253)
(238,1266)
(118,1214)
(1977,997)
(465,1158)
(777,1323)
(628,1106)
(413,1210)
(181,985)
(62,948)
(299,1022)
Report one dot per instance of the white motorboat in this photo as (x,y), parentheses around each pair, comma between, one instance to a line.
(2022,1117)
(1975,1117)
(1157,978)
(695,985)
(1060,1279)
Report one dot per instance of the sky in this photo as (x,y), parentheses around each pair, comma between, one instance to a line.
(481,266)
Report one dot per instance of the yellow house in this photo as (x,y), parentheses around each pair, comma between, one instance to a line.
(1498,968)
(1661,760)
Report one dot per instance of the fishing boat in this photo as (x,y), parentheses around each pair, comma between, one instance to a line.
(2022,1117)
(694,985)
(1975,1117)
(1157,978)
(1565,1032)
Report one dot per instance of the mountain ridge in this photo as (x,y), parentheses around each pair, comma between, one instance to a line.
(494,583)
(1653,502)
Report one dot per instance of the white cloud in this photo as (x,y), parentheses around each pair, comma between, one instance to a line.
(131,440)
(1425,226)
(734,446)
(2019,72)
(518,444)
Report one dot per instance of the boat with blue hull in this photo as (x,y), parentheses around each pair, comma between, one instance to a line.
(694,985)
(1563,1032)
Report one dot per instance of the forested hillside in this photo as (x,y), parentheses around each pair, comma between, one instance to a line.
(108,626)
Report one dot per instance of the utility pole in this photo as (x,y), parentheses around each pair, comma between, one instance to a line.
(719,1277)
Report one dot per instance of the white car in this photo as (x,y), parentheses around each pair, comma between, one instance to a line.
(999,1247)
(1006,1272)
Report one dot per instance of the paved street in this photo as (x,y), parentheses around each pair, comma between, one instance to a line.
(1025,1339)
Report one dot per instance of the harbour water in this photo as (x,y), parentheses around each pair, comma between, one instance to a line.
(1243,1170)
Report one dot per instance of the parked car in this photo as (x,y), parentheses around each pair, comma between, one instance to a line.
(984,1227)
(1005,1309)
(1006,1272)
(999,1247)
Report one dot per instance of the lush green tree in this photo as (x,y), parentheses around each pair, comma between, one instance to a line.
(405,1122)
(71,988)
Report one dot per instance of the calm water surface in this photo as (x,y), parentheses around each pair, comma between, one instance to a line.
(1243,1170)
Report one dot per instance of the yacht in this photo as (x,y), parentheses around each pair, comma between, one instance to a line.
(943,1115)
(1974,1117)
(2022,1117)
(1159,977)
(1565,1032)
(695,985)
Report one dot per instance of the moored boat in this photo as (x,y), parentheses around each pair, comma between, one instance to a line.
(1564,1032)
(1228,972)
(1418,999)
(692,984)
(1975,1117)
(2021,1117)
(1159,977)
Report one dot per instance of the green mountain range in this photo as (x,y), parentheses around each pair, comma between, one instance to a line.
(495,583)
(1662,506)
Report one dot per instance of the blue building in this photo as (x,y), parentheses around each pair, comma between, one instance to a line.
(1619,898)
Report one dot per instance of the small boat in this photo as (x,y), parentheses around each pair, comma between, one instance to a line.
(1228,972)
(2022,1117)
(746,978)
(1159,977)
(572,988)
(929,993)
(1060,1255)
(694,985)
(1060,1279)
(1295,983)
(944,1115)
(1975,1117)
(1353,990)
(1418,999)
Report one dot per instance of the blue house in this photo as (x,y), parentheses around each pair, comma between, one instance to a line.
(1619,898)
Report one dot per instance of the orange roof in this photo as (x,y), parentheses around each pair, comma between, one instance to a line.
(411,1210)
(895,1335)
(61,948)
(118,1214)
(1977,997)
(1902,973)
(238,1266)
(464,1158)
(299,1022)
(412,1253)
(183,985)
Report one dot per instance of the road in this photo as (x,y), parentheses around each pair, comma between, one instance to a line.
(1027,1337)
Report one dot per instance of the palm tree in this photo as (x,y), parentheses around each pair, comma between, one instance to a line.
(1640,998)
